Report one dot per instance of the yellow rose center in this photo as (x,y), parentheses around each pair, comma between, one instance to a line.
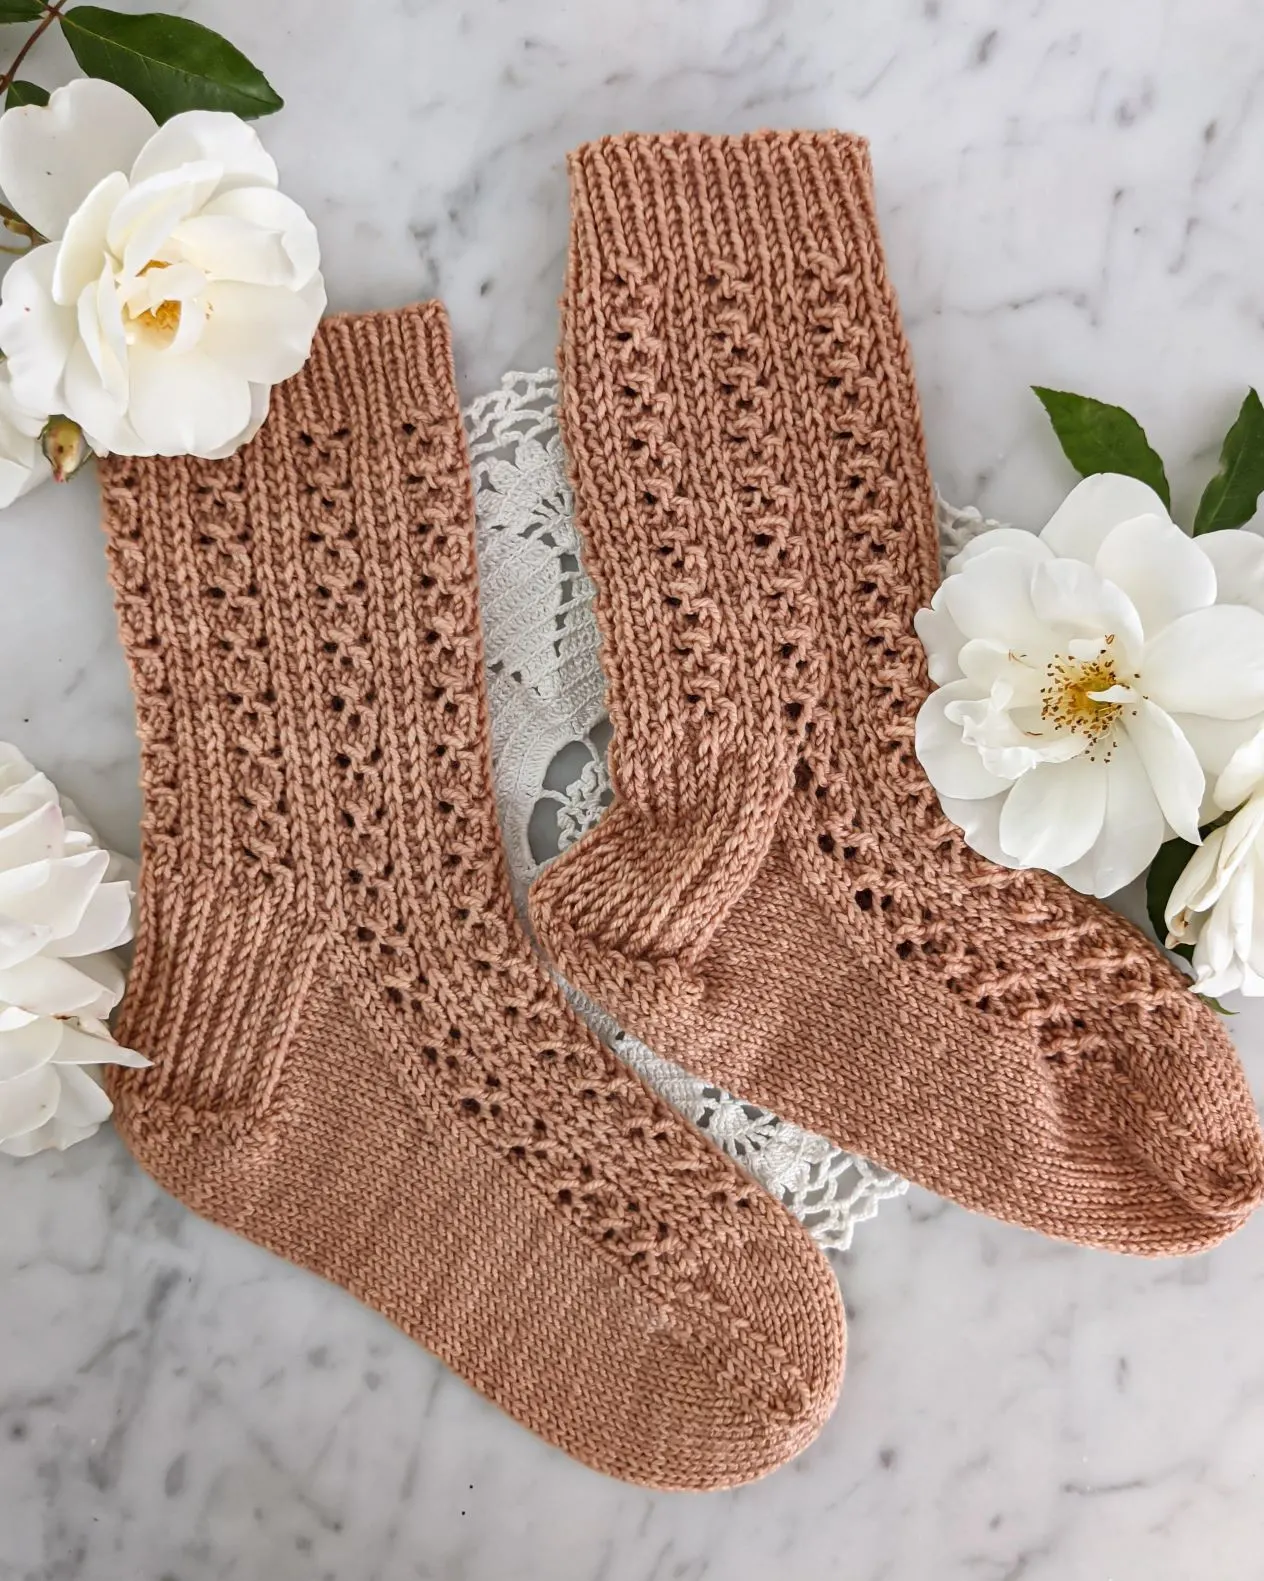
(164,319)
(1067,701)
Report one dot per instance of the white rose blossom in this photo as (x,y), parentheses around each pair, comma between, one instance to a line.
(1075,670)
(65,905)
(177,285)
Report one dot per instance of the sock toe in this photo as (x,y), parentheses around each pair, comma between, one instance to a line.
(1191,1121)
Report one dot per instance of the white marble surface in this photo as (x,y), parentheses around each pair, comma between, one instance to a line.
(1071,195)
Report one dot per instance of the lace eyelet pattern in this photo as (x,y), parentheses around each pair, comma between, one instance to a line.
(549,738)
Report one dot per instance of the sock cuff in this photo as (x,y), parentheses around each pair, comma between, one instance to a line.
(706,203)
(369,367)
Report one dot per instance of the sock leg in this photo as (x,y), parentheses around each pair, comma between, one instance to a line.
(679,411)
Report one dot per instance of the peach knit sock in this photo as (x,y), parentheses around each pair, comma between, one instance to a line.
(775,899)
(358,1061)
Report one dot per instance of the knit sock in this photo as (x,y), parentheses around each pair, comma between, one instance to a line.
(775,900)
(358,1062)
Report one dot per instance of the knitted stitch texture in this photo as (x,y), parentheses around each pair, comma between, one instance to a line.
(776,900)
(358,1061)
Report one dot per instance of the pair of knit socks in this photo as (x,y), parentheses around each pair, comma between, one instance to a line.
(776,900)
(359,1063)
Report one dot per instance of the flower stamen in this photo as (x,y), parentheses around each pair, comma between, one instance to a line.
(1067,699)
(163,319)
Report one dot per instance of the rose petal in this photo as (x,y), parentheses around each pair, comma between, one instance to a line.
(1170,763)
(37,1141)
(1235,916)
(80,1048)
(25,1048)
(151,210)
(262,333)
(22,462)
(1238,557)
(56,1133)
(989,664)
(106,923)
(1209,662)
(260,399)
(286,250)
(82,249)
(992,598)
(36,836)
(1053,815)
(36,333)
(1243,775)
(18,477)
(1026,544)
(1078,528)
(51,156)
(952,767)
(83,1101)
(1162,570)
(103,335)
(1218,962)
(980,825)
(942,639)
(216,135)
(52,894)
(28,1101)
(1214,742)
(185,403)
(1070,597)
(1198,885)
(98,411)
(1132,830)
(103,970)
(16,773)
(55,988)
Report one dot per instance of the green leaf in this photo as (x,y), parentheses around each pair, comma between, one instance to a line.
(167,62)
(1214,1004)
(1101,438)
(1166,868)
(21,93)
(1230,498)
(21,10)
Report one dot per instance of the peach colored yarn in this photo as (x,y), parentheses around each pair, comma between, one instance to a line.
(776,900)
(358,1061)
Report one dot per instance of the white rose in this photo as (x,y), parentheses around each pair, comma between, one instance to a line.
(1073,667)
(22,463)
(1217,904)
(65,906)
(177,286)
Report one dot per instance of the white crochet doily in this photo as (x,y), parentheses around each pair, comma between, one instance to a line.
(549,737)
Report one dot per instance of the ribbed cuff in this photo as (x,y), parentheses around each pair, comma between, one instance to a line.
(370,367)
(655,204)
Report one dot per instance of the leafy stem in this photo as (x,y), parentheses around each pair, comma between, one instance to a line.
(53,11)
